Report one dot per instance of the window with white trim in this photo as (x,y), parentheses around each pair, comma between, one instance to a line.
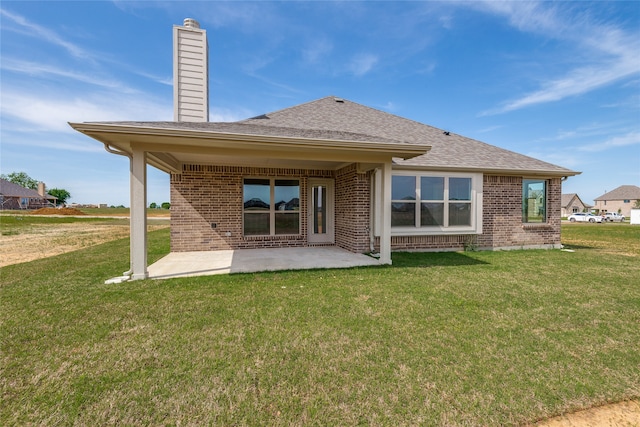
(425,203)
(271,206)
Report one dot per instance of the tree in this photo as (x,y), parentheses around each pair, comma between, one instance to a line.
(61,194)
(166,205)
(21,178)
(153,205)
(636,205)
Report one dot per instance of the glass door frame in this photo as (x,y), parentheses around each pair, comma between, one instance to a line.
(328,236)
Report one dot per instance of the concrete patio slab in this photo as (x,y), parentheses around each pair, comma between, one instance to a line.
(185,264)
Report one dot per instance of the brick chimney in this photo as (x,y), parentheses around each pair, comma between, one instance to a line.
(42,189)
(190,73)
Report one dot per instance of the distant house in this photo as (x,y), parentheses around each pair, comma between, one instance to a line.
(620,200)
(571,203)
(14,196)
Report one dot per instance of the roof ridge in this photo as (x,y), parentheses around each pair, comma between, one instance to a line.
(285,109)
(634,189)
(342,99)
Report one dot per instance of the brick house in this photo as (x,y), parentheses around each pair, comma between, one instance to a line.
(327,172)
(619,200)
(14,196)
(571,203)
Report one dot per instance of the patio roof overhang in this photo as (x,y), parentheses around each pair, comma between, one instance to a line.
(169,148)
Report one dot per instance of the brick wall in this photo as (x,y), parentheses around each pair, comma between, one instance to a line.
(502,226)
(352,209)
(502,215)
(203,195)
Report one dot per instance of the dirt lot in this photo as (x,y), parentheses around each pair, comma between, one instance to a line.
(623,414)
(45,240)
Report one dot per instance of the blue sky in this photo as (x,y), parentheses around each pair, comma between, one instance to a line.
(559,81)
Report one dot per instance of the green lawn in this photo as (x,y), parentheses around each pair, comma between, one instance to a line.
(474,338)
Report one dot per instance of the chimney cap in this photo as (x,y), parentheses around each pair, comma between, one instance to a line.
(191,23)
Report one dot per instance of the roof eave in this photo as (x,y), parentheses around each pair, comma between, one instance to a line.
(99,131)
(496,171)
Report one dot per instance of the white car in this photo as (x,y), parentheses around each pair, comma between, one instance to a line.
(613,217)
(584,217)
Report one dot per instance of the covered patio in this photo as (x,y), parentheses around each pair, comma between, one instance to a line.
(206,263)
(172,146)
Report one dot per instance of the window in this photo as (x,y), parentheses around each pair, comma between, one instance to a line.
(626,201)
(534,201)
(271,206)
(434,202)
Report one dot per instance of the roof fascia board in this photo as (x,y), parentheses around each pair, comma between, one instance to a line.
(510,172)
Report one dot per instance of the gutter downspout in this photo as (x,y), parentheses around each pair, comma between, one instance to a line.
(372,210)
(127,274)
(108,149)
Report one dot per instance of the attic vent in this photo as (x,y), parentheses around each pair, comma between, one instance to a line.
(339,100)
(446,132)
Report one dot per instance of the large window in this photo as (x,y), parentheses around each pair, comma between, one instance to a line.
(271,206)
(534,200)
(434,202)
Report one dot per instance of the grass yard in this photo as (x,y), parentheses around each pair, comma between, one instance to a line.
(475,338)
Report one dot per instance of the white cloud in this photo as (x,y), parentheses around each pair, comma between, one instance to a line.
(29,138)
(611,53)
(318,50)
(590,130)
(490,129)
(52,112)
(273,83)
(48,71)
(632,138)
(575,83)
(362,63)
(227,115)
(45,34)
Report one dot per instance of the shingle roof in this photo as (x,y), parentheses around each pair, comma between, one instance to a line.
(449,151)
(568,198)
(9,189)
(258,129)
(624,192)
(334,118)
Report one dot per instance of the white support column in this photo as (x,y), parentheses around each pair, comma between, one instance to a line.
(138,212)
(385,223)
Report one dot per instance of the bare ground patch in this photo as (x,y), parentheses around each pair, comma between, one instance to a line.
(45,240)
(622,414)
